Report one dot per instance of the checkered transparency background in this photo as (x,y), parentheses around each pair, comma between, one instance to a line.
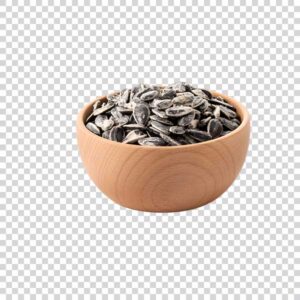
(60,236)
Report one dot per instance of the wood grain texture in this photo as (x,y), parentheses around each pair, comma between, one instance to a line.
(164,179)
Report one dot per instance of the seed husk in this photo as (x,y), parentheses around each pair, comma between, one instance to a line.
(167,94)
(108,106)
(200,93)
(199,135)
(141,113)
(105,134)
(177,129)
(219,102)
(204,122)
(113,96)
(237,121)
(186,120)
(133,136)
(194,124)
(117,134)
(217,112)
(229,124)
(124,96)
(214,128)
(104,123)
(225,132)
(160,127)
(134,126)
(140,93)
(183,100)
(148,96)
(162,104)
(178,111)
(152,141)
(161,120)
(122,120)
(227,112)
(97,104)
(159,113)
(179,87)
(169,140)
(93,128)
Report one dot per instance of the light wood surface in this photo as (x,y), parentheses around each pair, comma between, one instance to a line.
(164,179)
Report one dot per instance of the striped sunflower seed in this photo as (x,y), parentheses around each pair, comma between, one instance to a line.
(178,111)
(152,141)
(141,113)
(214,128)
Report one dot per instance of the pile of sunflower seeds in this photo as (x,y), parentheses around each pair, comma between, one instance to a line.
(162,115)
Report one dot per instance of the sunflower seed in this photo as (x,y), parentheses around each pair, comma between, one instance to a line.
(124,97)
(190,140)
(113,97)
(204,122)
(197,114)
(97,104)
(199,135)
(225,133)
(226,112)
(152,141)
(107,124)
(214,128)
(149,95)
(198,101)
(208,114)
(153,131)
(203,106)
(207,93)
(105,134)
(194,124)
(183,100)
(217,112)
(159,113)
(160,127)
(116,134)
(177,129)
(179,87)
(167,94)
(186,120)
(93,128)
(219,102)
(141,113)
(103,109)
(140,93)
(122,120)
(162,104)
(133,136)
(99,120)
(200,93)
(134,126)
(228,124)
(124,110)
(90,117)
(185,94)
(161,120)
(169,140)
(178,111)
(236,121)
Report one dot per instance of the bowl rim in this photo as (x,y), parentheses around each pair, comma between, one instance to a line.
(243,113)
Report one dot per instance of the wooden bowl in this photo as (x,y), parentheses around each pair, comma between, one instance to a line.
(164,179)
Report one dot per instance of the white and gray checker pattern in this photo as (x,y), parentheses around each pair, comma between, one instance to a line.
(59,236)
